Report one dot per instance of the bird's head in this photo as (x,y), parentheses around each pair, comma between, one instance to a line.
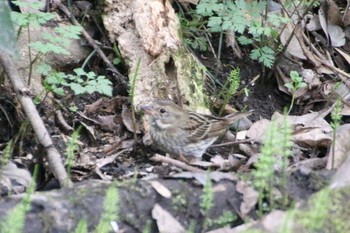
(163,114)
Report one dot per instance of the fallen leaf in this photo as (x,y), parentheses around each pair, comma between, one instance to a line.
(257,130)
(132,125)
(310,130)
(313,24)
(19,175)
(107,123)
(250,197)
(161,189)
(293,47)
(341,147)
(166,223)
(274,221)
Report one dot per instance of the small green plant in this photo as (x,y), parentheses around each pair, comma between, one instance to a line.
(207,202)
(179,201)
(72,148)
(192,30)
(230,88)
(132,86)
(192,227)
(82,226)
(148,227)
(111,209)
(225,219)
(55,42)
(296,84)
(33,18)
(327,211)
(73,108)
(336,118)
(80,83)
(314,219)
(264,173)
(285,151)
(6,155)
(119,59)
(277,142)
(245,17)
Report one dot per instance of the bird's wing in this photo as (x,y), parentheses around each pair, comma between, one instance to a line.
(197,126)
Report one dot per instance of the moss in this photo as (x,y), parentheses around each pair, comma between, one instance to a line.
(190,76)
(328,212)
(179,201)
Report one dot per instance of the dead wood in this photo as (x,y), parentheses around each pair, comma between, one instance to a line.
(137,202)
(147,33)
(43,136)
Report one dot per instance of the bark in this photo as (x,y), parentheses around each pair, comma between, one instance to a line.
(148,36)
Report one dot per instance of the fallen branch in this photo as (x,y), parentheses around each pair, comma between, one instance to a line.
(43,136)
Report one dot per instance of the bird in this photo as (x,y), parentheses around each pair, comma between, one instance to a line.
(183,133)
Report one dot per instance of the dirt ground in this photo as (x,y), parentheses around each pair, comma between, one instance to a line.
(104,134)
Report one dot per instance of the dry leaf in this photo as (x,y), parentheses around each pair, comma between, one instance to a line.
(107,123)
(345,55)
(257,130)
(314,24)
(335,34)
(166,223)
(293,47)
(345,110)
(274,221)
(19,175)
(250,197)
(161,189)
(333,12)
(310,130)
(341,147)
(131,125)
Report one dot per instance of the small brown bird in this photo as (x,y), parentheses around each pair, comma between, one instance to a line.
(182,133)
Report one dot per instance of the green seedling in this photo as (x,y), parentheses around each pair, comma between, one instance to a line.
(293,86)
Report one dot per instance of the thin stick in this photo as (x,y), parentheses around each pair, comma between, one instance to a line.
(42,135)
(122,79)
(177,163)
(231,143)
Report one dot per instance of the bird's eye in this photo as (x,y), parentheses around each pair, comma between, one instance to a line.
(162,110)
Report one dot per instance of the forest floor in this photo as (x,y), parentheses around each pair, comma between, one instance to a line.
(110,149)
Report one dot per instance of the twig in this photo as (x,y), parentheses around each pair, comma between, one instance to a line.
(62,122)
(177,163)
(43,136)
(231,143)
(91,41)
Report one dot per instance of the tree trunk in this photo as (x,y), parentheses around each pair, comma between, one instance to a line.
(148,36)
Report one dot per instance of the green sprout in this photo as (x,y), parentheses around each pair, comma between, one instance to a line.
(293,86)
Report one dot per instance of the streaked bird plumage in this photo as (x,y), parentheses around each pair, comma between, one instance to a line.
(184,133)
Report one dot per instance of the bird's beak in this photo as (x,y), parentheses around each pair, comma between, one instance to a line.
(148,110)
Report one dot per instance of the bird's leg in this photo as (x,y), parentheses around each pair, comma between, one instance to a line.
(183,159)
